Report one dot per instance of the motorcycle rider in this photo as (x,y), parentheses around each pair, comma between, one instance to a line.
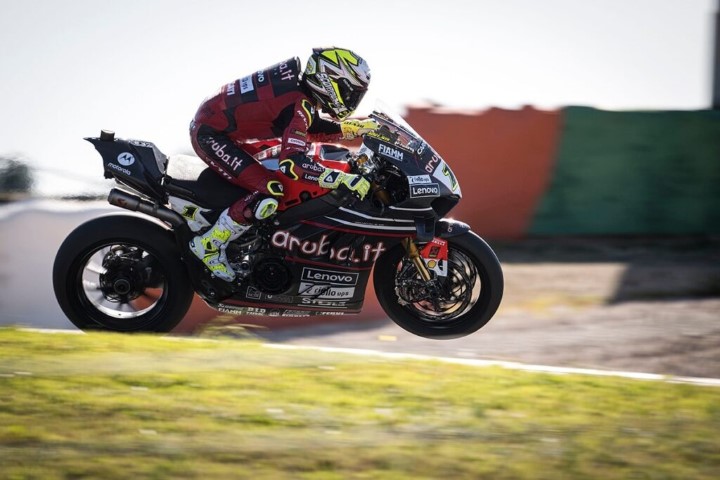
(277,102)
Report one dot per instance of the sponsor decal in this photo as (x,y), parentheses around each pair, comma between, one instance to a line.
(331,277)
(286,73)
(296,313)
(329,90)
(260,77)
(295,141)
(419,179)
(244,310)
(279,298)
(313,166)
(432,164)
(140,143)
(451,176)
(325,291)
(391,152)
(253,293)
(119,169)
(324,303)
(311,178)
(277,312)
(126,159)
(246,84)
(231,310)
(378,135)
(435,254)
(230,88)
(219,149)
(430,190)
(368,252)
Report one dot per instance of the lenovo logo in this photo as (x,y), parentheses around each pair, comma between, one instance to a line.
(329,277)
(429,190)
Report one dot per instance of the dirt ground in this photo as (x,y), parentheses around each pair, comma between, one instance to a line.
(636,304)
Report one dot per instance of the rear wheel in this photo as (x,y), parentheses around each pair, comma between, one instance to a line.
(121,273)
(442,308)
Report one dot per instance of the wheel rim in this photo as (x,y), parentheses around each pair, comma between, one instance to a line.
(441,301)
(123,282)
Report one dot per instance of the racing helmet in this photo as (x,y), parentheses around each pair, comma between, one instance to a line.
(338,79)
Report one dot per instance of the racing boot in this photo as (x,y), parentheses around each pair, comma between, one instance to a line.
(210,246)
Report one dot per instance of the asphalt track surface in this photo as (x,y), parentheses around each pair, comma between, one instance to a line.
(640,305)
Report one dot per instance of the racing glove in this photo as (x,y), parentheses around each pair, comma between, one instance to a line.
(356,128)
(334,179)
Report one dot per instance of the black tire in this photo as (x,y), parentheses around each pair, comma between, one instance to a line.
(479,304)
(121,273)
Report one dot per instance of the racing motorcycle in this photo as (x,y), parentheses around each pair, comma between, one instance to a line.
(133,272)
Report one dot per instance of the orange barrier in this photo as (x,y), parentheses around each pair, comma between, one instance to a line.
(502,158)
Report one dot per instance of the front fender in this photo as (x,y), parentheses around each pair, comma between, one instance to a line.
(448,228)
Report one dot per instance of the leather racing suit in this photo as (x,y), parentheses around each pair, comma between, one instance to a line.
(270,103)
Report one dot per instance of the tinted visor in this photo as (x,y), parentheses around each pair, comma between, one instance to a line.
(350,94)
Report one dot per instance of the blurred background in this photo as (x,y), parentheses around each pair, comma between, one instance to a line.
(586,136)
(142,68)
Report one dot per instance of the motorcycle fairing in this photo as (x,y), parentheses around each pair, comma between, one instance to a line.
(398,142)
(328,265)
(326,245)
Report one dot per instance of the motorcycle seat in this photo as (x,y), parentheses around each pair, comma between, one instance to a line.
(190,178)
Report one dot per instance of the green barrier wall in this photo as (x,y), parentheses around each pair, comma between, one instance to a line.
(634,173)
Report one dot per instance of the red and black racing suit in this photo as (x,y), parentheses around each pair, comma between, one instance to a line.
(270,103)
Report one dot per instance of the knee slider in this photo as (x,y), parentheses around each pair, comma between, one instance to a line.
(265,208)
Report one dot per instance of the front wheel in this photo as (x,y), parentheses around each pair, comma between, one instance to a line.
(442,308)
(121,273)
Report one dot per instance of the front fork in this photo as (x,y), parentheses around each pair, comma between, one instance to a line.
(412,251)
(414,255)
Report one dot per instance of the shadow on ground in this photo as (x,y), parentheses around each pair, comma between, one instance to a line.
(657,269)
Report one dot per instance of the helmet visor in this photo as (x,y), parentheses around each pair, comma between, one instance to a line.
(351,95)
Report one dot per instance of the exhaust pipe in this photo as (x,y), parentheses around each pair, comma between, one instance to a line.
(136,204)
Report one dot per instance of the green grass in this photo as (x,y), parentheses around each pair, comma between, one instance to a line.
(107,406)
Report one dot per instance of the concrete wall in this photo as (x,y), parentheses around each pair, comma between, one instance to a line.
(636,173)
